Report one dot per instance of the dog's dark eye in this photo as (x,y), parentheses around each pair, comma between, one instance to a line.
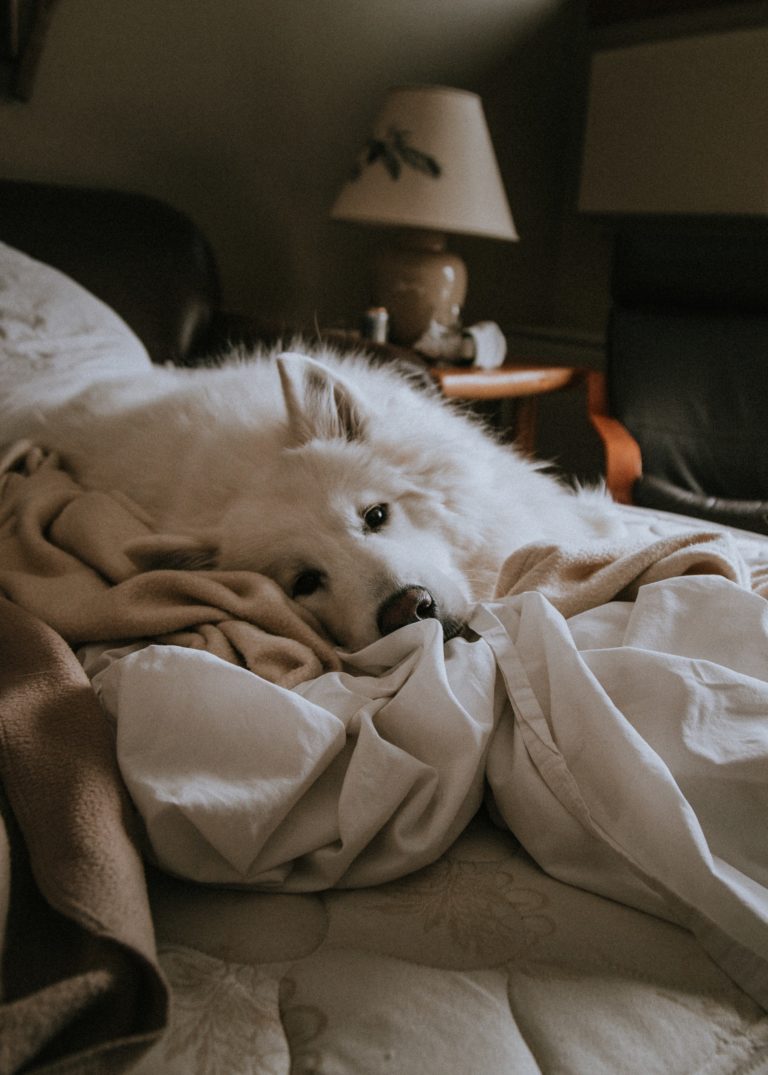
(376,517)
(306,583)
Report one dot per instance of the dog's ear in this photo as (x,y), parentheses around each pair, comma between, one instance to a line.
(174,552)
(319,404)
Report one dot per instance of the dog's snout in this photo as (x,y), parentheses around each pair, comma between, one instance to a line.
(406,606)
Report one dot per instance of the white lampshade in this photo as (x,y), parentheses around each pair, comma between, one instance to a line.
(429,164)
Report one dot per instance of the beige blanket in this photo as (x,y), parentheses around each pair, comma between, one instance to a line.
(62,558)
(577,579)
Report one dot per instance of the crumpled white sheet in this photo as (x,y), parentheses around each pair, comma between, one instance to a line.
(635,764)
(353,778)
(627,748)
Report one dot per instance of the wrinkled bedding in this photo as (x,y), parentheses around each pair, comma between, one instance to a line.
(607,710)
(483,961)
(380,913)
(595,735)
(623,745)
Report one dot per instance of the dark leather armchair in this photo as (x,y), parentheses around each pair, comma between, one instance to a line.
(682,407)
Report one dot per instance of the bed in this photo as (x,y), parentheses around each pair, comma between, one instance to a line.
(223,850)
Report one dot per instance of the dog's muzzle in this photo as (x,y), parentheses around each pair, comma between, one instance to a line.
(409,605)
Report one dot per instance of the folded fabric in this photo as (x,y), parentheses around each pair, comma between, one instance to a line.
(63,558)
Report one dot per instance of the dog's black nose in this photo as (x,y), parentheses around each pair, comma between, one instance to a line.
(406,606)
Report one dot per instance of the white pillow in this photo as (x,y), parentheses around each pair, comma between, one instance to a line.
(55,337)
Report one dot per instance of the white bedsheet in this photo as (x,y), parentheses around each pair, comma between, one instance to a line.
(627,748)
(352,778)
(636,762)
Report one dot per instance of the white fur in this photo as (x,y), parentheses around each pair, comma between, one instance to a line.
(268,464)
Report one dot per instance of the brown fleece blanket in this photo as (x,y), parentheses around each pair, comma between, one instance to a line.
(81,988)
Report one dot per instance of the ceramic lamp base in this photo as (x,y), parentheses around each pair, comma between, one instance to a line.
(420,282)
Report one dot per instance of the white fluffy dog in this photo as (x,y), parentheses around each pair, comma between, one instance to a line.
(370,501)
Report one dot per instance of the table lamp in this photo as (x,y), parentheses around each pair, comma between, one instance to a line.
(427,169)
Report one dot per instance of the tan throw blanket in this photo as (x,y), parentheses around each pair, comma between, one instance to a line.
(62,558)
(577,579)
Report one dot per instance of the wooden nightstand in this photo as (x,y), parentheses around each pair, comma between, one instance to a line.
(518,380)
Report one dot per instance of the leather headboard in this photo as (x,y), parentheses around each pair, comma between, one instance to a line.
(146,260)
